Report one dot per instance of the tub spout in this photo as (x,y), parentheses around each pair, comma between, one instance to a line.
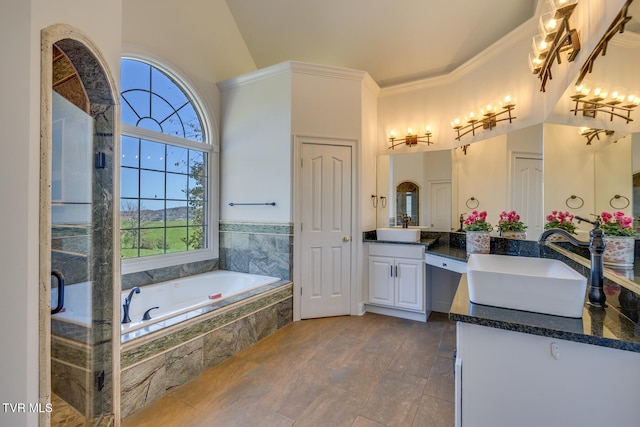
(127,304)
(596,245)
(146,315)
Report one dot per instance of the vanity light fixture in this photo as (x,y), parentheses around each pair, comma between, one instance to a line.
(556,36)
(615,103)
(410,138)
(617,26)
(487,119)
(591,133)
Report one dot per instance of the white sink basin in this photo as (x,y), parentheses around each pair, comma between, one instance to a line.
(398,234)
(531,284)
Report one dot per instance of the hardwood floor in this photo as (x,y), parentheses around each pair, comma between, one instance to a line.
(358,371)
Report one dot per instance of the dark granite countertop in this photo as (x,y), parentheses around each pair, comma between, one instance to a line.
(617,326)
(603,327)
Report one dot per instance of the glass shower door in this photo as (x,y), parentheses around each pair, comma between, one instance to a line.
(72,211)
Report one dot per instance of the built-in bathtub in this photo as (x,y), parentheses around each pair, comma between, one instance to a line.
(185,298)
(201,321)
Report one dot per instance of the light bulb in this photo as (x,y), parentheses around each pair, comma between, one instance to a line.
(392,134)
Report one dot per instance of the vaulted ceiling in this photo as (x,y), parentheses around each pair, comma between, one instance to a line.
(395,41)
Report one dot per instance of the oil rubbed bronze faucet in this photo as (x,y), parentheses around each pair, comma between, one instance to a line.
(127,304)
(596,245)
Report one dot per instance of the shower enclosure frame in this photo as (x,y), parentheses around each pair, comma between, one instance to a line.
(101,90)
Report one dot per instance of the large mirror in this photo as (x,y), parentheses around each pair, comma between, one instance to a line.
(501,173)
(505,172)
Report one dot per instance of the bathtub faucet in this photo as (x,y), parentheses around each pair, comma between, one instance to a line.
(127,304)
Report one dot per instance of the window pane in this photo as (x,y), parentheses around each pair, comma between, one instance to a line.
(177,159)
(163,85)
(128,182)
(152,214)
(130,151)
(176,239)
(129,213)
(152,155)
(152,184)
(192,123)
(197,237)
(152,242)
(134,75)
(176,186)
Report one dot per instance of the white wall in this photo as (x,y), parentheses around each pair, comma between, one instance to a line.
(614,176)
(482,174)
(568,170)
(256,152)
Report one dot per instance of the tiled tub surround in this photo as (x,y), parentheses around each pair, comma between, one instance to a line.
(154,364)
(257,248)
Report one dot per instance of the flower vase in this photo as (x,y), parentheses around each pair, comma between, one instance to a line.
(619,251)
(478,242)
(522,235)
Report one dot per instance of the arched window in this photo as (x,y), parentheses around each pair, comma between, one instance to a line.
(164,201)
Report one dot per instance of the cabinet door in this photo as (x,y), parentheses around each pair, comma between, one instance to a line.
(410,284)
(381,270)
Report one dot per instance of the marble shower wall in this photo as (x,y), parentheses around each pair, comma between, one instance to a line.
(257,248)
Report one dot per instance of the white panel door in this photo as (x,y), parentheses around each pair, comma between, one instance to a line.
(325,230)
(526,194)
(440,205)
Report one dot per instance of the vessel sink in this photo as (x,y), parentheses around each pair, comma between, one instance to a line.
(398,234)
(531,284)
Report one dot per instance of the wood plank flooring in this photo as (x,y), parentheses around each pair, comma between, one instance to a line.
(353,371)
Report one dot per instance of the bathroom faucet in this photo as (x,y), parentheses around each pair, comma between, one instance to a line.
(127,304)
(405,221)
(596,245)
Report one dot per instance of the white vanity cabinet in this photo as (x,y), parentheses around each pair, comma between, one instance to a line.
(510,378)
(396,276)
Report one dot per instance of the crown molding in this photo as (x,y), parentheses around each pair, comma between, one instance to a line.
(290,67)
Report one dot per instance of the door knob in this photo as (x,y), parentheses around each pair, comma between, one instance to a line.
(346,239)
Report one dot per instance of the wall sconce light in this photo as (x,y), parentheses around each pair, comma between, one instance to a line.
(410,138)
(487,119)
(555,36)
(617,26)
(591,133)
(614,103)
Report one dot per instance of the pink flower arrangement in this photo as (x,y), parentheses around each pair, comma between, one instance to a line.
(477,221)
(559,219)
(510,221)
(616,224)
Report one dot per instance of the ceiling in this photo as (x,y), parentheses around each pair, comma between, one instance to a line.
(395,41)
